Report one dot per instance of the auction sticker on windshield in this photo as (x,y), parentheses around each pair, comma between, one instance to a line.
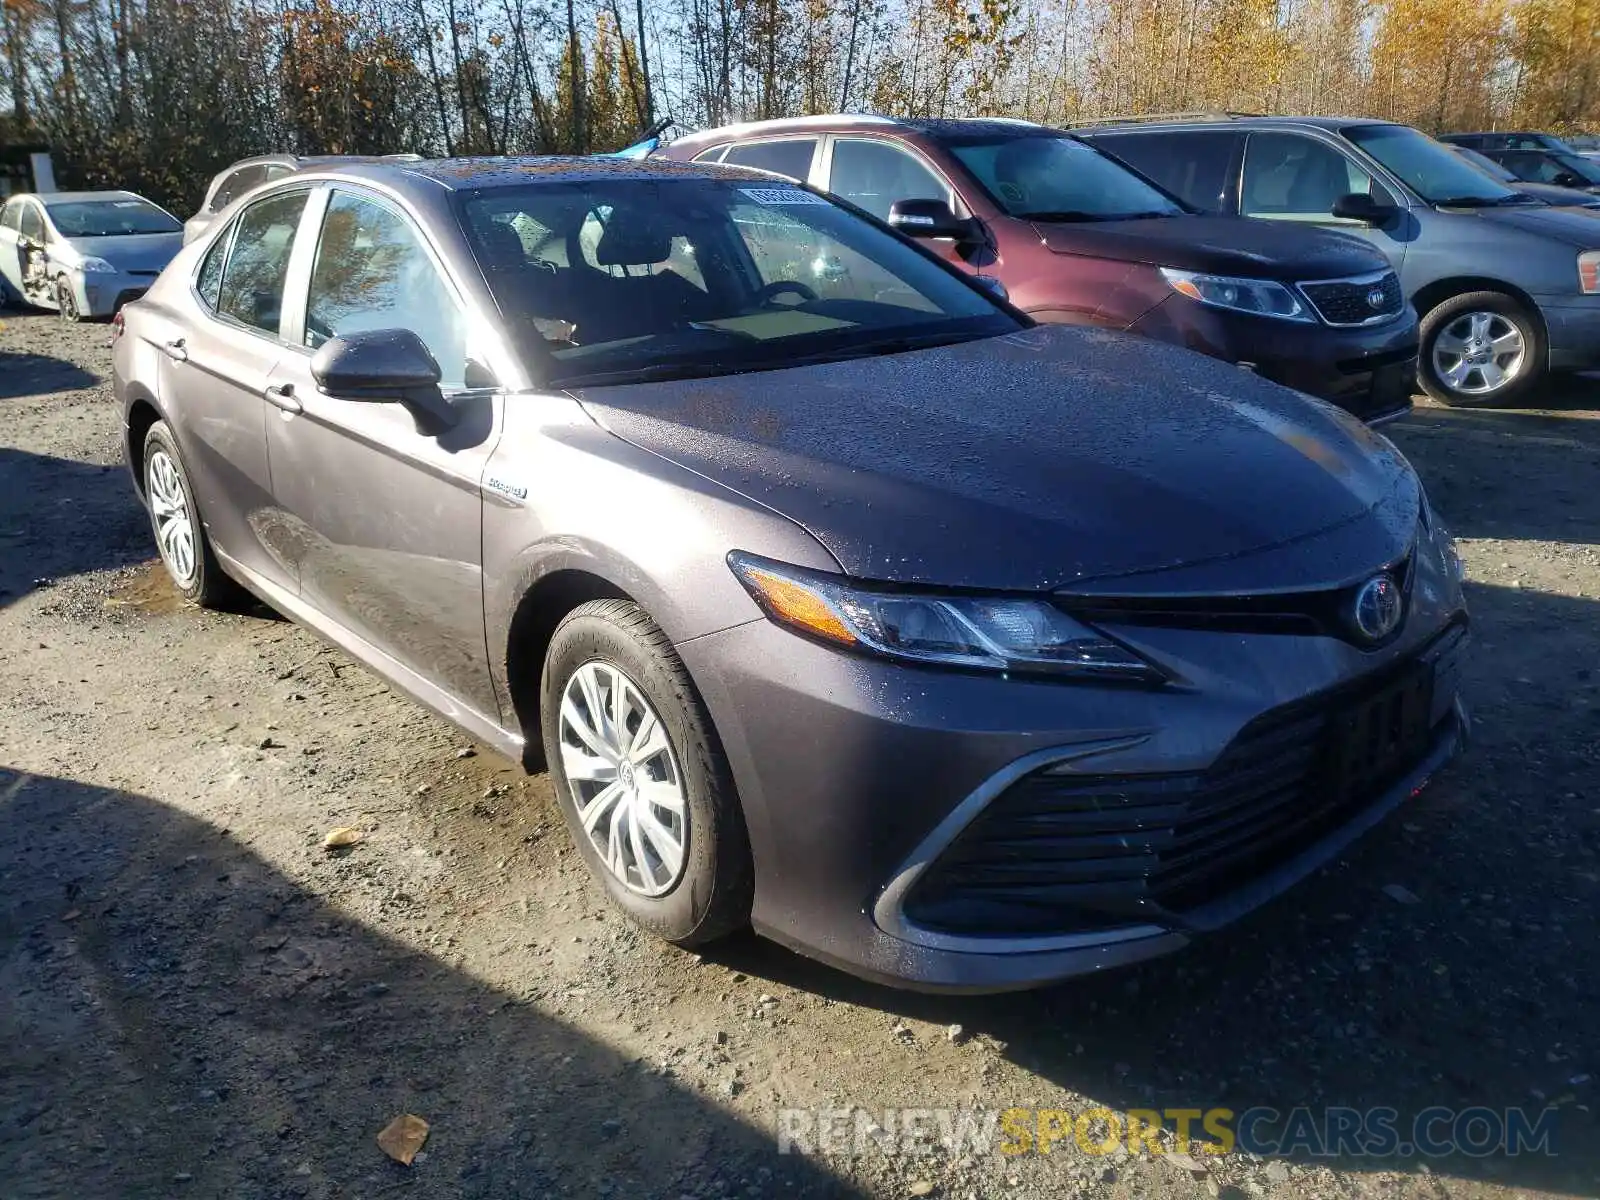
(781,196)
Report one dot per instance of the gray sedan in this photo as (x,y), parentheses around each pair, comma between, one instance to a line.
(84,254)
(837,598)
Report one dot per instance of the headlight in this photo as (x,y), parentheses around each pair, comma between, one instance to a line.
(1262,297)
(96,266)
(986,633)
(1589,272)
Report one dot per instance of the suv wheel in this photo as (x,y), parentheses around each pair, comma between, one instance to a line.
(181,539)
(640,776)
(1482,348)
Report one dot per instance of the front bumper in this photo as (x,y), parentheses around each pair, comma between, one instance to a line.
(1572,324)
(1368,371)
(857,776)
(101,294)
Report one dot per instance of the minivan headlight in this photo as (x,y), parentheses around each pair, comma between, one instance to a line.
(1589,272)
(1260,297)
(992,633)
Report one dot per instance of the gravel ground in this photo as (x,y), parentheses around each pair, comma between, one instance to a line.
(199,1000)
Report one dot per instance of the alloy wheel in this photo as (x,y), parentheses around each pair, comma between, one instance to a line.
(169,505)
(66,302)
(1479,353)
(626,787)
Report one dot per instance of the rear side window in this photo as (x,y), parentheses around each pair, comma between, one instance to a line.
(373,272)
(790,156)
(712,155)
(253,280)
(1196,167)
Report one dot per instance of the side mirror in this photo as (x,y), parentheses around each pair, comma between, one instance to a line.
(383,365)
(1570,179)
(928,219)
(1360,206)
(993,286)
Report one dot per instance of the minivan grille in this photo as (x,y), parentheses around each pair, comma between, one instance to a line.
(1350,301)
(1063,853)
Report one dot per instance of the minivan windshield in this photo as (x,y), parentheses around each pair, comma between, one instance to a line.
(1431,169)
(620,280)
(110,218)
(1051,178)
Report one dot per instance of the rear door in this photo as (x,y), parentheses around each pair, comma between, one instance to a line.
(1294,176)
(10,254)
(214,376)
(388,517)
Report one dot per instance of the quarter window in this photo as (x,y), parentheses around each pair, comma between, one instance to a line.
(873,175)
(1297,178)
(251,291)
(373,272)
(209,281)
(11,215)
(789,156)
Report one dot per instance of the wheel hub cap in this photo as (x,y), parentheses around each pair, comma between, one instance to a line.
(1479,352)
(624,779)
(169,509)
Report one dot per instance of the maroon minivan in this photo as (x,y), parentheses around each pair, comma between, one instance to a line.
(1077,238)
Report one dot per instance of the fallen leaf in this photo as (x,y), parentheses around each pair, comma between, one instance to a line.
(341,838)
(922,1188)
(72,914)
(403,1137)
(1186,1162)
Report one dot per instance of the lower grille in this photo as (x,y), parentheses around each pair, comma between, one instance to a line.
(1064,853)
(1351,301)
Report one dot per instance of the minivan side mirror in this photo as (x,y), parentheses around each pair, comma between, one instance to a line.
(1360,206)
(1570,179)
(928,219)
(383,365)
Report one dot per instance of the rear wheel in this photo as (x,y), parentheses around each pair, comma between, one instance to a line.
(1482,348)
(180,537)
(640,775)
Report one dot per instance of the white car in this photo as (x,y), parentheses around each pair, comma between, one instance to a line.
(85,254)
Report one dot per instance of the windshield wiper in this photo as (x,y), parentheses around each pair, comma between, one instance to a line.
(1481,201)
(1065,214)
(643,373)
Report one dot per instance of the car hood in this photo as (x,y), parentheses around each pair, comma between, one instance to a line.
(1224,245)
(1040,460)
(1551,194)
(131,252)
(1574,226)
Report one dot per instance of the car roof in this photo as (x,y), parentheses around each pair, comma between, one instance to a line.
(49,198)
(932,127)
(1241,120)
(471,174)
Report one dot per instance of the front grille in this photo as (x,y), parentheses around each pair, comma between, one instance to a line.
(1349,301)
(1063,853)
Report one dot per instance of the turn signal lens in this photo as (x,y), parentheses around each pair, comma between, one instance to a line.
(788,603)
(1589,272)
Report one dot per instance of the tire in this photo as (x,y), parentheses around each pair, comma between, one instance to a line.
(1474,321)
(708,894)
(196,573)
(67,302)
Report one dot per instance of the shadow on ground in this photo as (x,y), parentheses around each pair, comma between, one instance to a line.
(24,375)
(180,1017)
(1480,986)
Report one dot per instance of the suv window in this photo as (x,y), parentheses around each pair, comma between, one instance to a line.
(790,156)
(373,272)
(252,282)
(873,175)
(236,185)
(1195,167)
(30,223)
(1293,177)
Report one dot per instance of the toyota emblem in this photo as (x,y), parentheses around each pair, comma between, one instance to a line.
(1376,611)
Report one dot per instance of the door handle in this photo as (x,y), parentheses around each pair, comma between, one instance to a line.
(176,350)
(282,396)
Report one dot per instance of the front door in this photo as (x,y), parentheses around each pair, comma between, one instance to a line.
(1296,177)
(873,174)
(216,370)
(389,509)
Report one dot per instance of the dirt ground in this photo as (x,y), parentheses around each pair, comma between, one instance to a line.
(197,1000)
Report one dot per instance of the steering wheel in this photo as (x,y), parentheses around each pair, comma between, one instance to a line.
(773,290)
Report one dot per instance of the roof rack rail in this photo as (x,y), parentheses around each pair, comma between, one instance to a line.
(1156,118)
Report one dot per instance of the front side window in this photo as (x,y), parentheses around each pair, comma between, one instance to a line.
(1543,166)
(1430,168)
(252,285)
(787,156)
(1293,177)
(1058,179)
(873,175)
(30,223)
(111,218)
(1193,166)
(373,272)
(707,277)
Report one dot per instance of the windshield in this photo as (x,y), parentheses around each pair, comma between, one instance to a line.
(110,218)
(613,280)
(1059,179)
(1429,168)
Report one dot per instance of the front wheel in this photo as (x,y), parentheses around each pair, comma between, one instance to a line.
(1482,348)
(640,775)
(67,302)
